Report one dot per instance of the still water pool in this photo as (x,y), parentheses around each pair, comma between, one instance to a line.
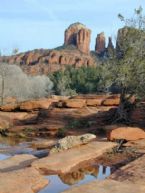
(59,183)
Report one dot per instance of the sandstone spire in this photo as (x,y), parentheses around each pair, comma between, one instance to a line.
(100,44)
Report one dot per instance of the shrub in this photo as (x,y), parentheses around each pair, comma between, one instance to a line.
(15,83)
(61,132)
(71,81)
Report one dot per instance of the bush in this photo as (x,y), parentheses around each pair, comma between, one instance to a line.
(61,132)
(71,81)
(15,83)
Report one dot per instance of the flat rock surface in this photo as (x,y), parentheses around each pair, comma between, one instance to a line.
(22,181)
(63,162)
(133,172)
(107,186)
(16,162)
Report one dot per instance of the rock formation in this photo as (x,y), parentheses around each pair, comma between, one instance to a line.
(78,35)
(110,44)
(46,61)
(110,50)
(100,44)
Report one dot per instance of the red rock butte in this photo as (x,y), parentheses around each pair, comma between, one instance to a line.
(78,35)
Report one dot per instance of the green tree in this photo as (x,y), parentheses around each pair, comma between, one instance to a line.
(128,71)
(76,80)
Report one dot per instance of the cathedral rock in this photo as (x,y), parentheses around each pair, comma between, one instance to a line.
(78,35)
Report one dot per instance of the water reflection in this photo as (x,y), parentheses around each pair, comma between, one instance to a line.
(80,176)
(98,172)
(3,156)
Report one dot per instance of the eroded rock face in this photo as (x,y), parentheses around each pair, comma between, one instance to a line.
(100,44)
(72,141)
(78,35)
(38,62)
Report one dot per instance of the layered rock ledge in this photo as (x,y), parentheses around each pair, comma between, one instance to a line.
(63,162)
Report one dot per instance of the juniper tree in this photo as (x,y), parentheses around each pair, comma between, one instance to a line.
(127,70)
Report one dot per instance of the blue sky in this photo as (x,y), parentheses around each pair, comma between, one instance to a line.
(30,24)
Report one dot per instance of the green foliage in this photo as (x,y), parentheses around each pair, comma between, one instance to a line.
(82,123)
(61,132)
(71,81)
(128,71)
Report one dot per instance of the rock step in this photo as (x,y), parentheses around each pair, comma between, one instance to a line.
(107,186)
(16,162)
(22,181)
(63,162)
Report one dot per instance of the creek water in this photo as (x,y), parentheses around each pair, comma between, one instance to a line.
(4,156)
(59,183)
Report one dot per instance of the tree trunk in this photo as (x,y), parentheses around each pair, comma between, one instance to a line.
(121,114)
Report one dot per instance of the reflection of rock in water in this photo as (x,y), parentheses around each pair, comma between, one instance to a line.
(76,176)
(104,170)
(92,170)
(72,178)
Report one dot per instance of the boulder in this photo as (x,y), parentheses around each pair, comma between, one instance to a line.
(26,180)
(75,103)
(72,141)
(127,133)
(16,162)
(36,104)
